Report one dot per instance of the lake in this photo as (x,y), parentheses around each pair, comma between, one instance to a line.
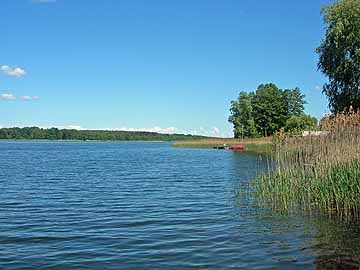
(134,205)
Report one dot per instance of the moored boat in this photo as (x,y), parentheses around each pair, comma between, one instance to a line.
(237,147)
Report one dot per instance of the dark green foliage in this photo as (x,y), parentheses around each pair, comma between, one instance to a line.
(266,111)
(294,101)
(339,54)
(298,123)
(30,133)
(242,116)
(270,109)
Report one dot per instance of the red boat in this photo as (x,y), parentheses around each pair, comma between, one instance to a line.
(237,147)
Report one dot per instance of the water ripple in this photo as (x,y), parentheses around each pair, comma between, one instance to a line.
(68,205)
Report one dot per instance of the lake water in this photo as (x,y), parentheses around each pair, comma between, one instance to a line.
(114,205)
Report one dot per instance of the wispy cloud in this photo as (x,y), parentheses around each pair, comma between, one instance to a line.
(168,130)
(318,88)
(68,127)
(12,71)
(216,131)
(29,98)
(211,132)
(7,96)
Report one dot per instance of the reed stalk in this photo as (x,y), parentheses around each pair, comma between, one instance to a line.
(321,172)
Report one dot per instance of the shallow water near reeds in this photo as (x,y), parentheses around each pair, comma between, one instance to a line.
(115,205)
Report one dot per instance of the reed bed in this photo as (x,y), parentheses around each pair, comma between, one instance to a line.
(316,172)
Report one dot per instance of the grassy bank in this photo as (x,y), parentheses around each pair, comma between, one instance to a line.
(259,145)
(316,172)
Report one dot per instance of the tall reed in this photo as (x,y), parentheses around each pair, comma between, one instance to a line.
(316,172)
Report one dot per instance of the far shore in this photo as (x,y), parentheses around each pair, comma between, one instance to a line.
(45,140)
(257,145)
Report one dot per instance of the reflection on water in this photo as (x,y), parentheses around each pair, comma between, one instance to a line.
(337,244)
(327,242)
(149,206)
(317,241)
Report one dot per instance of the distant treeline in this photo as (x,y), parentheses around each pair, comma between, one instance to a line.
(35,133)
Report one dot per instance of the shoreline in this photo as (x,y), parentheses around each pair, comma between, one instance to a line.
(257,145)
(46,140)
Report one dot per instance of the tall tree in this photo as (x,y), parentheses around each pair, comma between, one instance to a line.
(242,116)
(294,101)
(270,111)
(339,54)
(266,111)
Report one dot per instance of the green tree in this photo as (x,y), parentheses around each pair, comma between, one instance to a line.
(242,116)
(339,54)
(270,110)
(67,134)
(299,123)
(266,111)
(294,101)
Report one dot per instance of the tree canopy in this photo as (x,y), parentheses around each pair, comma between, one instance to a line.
(265,111)
(339,54)
(35,133)
(298,123)
(242,116)
(269,109)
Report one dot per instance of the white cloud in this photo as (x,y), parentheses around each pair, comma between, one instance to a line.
(29,98)
(318,88)
(210,132)
(7,97)
(15,72)
(70,127)
(61,127)
(168,130)
(216,131)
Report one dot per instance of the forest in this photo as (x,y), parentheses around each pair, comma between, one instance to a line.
(36,133)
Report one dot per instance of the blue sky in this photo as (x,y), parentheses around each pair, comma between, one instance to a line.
(152,65)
